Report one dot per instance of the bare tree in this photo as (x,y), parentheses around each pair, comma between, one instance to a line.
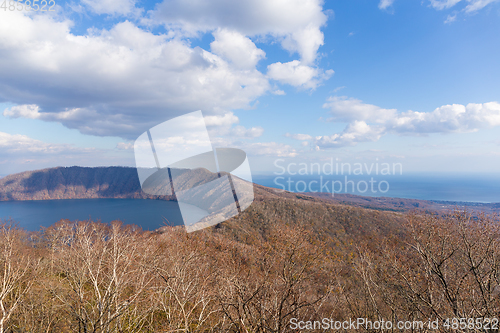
(16,271)
(287,277)
(184,289)
(103,275)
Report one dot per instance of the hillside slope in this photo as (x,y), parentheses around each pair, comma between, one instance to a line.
(72,183)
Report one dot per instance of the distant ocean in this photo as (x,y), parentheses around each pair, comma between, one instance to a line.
(444,187)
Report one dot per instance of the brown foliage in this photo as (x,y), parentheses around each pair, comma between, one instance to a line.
(281,259)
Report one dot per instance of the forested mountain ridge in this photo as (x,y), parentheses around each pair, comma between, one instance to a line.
(99,182)
(72,183)
(123,182)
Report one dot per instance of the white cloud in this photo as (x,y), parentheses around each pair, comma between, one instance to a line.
(121,81)
(450,19)
(230,135)
(236,48)
(227,119)
(23,111)
(20,153)
(87,121)
(349,109)
(383,4)
(294,23)
(220,126)
(270,149)
(306,42)
(356,132)
(298,75)
(472,5)
(113,7)
(12,144)
(274,149)
(475,5)
(448,118)
(116,82)
(124,146)
(368,123)
(299,136)
(242,132)
(443,4)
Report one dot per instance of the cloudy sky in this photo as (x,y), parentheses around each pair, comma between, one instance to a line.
(415,82)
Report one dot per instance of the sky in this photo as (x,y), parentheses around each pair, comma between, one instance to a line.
(299,81)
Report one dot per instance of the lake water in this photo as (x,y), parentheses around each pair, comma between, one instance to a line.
(149,214)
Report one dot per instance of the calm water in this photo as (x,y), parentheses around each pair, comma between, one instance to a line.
(152,214)
(472,188)
(149,214)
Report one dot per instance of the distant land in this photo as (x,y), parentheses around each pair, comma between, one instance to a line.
(73,183)
(122,182)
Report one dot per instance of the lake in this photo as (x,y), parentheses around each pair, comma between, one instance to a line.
(148,214)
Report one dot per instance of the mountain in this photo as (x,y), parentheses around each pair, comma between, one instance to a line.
(123,182)
(72,183)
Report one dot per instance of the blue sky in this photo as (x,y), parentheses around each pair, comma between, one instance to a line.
(414,82)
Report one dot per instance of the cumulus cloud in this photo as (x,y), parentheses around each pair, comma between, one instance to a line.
(236,48)
(443,4)
(124,146)
(448,118)
(356,132)
(116,82)
(270,149)
(23,111)
(472,5)
(383,4)
(225,126)
(12,144)
(295,23)
(123,80)
(350,109)
(274,149)
(368,123)
(227,119)
(20,153)
(242,132)
(112,7)
(86,120)
(299,136)
(450,19)
(298,75)
(475,5)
